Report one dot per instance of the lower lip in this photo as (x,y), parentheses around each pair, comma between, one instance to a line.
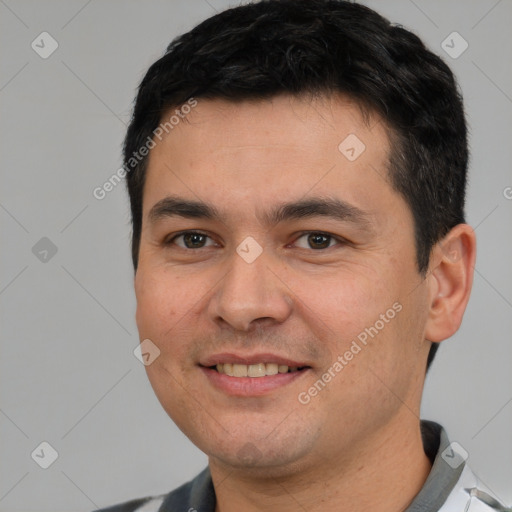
(251,386)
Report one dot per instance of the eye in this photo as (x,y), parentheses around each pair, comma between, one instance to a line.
(191,240)
(316,240)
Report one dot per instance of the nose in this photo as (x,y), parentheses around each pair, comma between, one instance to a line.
(250,294)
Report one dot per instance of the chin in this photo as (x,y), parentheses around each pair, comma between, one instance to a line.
(260,464)
(261,455)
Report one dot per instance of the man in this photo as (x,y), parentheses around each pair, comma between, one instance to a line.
(297,172)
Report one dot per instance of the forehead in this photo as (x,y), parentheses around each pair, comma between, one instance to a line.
(237,153)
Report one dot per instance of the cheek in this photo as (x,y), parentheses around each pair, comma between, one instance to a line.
(365,317)
(162,302)
(347,301)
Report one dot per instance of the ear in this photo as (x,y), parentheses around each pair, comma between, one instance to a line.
(450,278)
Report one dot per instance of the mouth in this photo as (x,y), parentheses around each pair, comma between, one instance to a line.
(255,370)
(251,376)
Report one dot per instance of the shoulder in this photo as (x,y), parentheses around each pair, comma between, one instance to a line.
(198,494)
(148,504)
(471,495)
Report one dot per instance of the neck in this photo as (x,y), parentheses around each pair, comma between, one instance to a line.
(385,474)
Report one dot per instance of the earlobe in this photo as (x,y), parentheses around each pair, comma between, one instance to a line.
(450,281)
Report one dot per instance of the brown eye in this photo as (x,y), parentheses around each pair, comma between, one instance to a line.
(194,240)
(315,240)
(319,241)
(191,240)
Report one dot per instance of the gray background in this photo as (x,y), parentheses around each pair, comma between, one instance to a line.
(68,373)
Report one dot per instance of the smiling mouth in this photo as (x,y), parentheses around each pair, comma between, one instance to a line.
(255,370)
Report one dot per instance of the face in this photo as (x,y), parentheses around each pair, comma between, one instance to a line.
(277,276)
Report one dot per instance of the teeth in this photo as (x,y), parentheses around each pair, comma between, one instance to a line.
(254,370)
(239,370)
(272,368)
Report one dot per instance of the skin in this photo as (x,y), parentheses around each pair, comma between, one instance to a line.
(357,443)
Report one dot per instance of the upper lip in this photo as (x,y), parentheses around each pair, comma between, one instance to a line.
(249,359)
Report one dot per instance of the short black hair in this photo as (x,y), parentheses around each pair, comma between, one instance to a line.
(321,47)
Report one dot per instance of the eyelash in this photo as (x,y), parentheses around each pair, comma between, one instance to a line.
(339,240)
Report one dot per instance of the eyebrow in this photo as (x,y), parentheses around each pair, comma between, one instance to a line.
(334,208)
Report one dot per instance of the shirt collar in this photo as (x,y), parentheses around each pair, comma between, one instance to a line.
(442,477)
